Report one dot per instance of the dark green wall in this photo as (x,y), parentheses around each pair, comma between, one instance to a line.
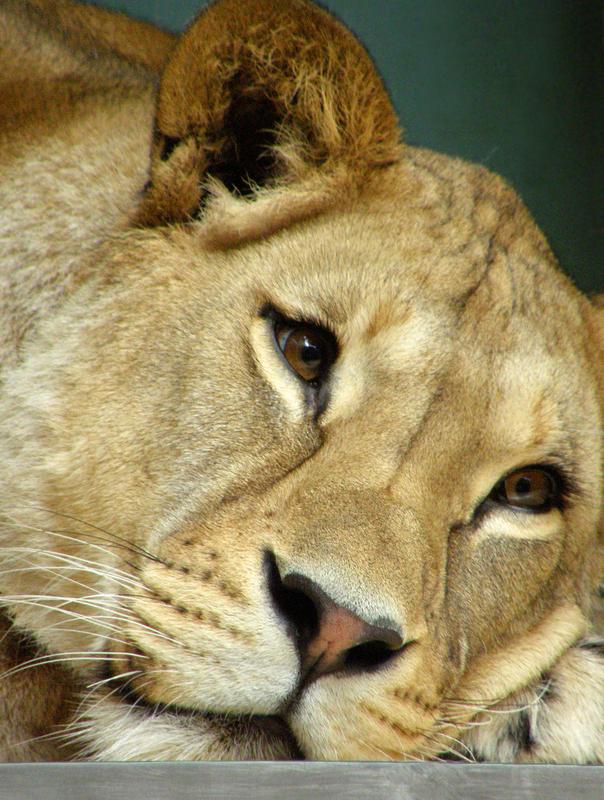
(517,85)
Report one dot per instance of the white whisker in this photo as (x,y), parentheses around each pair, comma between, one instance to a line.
(96,684)
(470,758)
(105,570)
(67,658)
(56,572)
(106,621)
(114,539)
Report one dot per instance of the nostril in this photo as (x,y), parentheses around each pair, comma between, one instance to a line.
(292,603)
(369,655)
(299,610)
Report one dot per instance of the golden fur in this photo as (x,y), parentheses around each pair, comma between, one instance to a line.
(159,458)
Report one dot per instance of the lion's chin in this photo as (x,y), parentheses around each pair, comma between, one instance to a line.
(268,731)
(237,736)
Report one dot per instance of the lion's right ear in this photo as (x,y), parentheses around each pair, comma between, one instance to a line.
(264,95)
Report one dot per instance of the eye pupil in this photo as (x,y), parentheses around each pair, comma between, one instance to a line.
(523,485)
(310,353)
(308,349)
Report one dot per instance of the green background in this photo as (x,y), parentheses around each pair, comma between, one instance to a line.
(517,85)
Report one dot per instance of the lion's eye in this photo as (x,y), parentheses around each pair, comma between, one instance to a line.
(531,488)
(308,349)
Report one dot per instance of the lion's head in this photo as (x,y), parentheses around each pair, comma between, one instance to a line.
(310,461)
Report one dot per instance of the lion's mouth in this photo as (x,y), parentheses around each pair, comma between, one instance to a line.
(270,732)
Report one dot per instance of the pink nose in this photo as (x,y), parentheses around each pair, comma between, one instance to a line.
(330,637)
(345,640)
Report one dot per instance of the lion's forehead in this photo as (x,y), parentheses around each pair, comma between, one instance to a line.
(404,314)
(431,229)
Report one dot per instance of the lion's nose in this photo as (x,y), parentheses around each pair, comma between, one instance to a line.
(330,637)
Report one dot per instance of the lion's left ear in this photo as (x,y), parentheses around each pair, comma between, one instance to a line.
(264,94)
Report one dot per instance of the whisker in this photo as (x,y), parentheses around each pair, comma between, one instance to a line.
(62,623)
(122,675)
(77,540)
(34,602)
(83,542)
(55,734)
(107,622)
(121,542)
(66,658)
(376,749)
(511,709)
(468,724)
(84,702)
(105,568)
(56,572)
(80,726)
(66,732)
(470,758)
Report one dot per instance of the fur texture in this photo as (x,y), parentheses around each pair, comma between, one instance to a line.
(165,475)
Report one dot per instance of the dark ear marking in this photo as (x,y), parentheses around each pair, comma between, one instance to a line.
(168,145)
(246,160)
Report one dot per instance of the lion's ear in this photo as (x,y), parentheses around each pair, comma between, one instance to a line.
(264,94)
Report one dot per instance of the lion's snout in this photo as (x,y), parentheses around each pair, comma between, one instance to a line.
(329,636)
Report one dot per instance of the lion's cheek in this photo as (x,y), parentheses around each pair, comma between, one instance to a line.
(240,662)
(391,715)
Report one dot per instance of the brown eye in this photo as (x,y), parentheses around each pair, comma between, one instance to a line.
(530,488)
(308,349)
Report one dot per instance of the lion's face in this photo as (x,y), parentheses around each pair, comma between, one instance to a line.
(335,463)
(264,505)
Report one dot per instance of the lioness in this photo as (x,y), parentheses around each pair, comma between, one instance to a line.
(300,427)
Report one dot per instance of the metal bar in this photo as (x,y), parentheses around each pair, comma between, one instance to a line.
(298,781)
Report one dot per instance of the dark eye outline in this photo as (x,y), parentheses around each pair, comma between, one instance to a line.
(558,498)
(277,319)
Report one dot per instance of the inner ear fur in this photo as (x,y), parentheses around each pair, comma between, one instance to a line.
(264,94)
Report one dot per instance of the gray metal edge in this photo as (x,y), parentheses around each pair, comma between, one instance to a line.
(299,781)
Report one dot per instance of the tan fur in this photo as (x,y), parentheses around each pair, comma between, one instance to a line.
(155,447)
